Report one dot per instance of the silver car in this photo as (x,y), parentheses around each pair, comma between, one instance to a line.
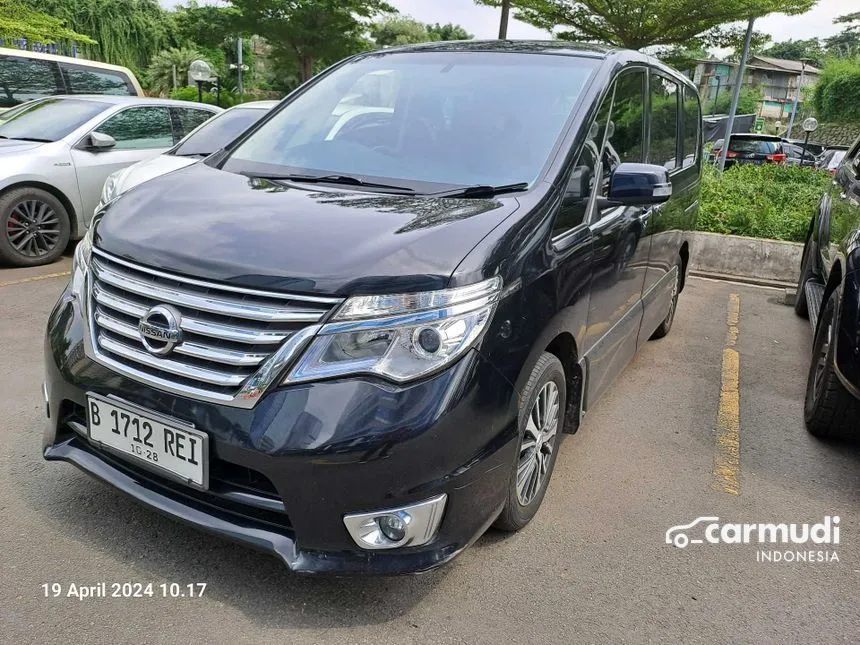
(210,137)
(56,152)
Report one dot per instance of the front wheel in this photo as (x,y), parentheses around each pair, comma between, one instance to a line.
(801,307)
(829,410)
(541,418)
(34,227)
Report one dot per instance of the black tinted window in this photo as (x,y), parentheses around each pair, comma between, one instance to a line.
(190,118)
(87,80)
(664,122)
(219,131)
(754,146)
(692,126)
(140,128)
(583,176)
(23,79)
(626,127)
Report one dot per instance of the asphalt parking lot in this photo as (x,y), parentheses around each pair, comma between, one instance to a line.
(685,432)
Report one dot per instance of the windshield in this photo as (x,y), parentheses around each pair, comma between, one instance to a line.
(48,119)
(219,131)
(453,118)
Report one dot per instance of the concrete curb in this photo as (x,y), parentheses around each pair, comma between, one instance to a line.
(769,263)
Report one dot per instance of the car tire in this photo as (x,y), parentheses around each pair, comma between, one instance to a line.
(540,423)
(801,307)
(34,227)
(829,410)
(666,326)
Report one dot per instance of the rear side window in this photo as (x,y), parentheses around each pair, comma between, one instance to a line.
(81,79)
(140,128)
(664,122)
(23,79)
(190,118)
(692,127)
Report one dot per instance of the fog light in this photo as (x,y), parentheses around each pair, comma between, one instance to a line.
(393,526)
(412,525)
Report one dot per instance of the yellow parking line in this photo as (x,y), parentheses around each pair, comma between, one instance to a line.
(727,458)
(47,276)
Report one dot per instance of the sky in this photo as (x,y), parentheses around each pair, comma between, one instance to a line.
(483,22)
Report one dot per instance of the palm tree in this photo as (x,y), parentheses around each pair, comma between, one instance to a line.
(159,75)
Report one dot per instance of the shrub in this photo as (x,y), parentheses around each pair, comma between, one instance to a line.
(837,94)
(228,99)
(769,201)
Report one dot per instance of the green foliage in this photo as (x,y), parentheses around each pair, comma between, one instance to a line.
(448,31)
(735,37)
(769,201)
(159,75)
(129,32)
(398,30)
(210,97)
(311,31)
(748,102)
(796,50)
(836,96)
(18,20)
(640,23)
(846,43)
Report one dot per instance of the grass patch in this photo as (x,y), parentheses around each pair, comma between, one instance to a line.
(770,201)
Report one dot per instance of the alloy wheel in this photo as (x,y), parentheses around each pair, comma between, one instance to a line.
(538,443)
(33,228)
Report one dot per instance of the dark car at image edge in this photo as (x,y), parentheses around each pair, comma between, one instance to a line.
(354,338)
(828,294)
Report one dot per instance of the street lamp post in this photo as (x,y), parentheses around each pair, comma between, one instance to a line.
(803,62)
(810,125)
(736,95)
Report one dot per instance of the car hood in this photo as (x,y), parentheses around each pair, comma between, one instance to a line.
(211,224)
(150,169)
(8,146)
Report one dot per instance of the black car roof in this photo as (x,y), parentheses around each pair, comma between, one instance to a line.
(558,47)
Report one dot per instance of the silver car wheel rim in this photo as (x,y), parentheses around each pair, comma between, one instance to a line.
(33,228)
(537,443)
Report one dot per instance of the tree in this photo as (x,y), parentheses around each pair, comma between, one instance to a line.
(635,24)
(836,96)
(797,50)
(310,31)
(748,102)
(129,32)
(159,75)
(847,42)
(449,31)
(735,37)
(18,20)
(398,30)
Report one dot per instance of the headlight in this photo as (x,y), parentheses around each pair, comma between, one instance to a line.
(400,337)
(111,189)
(81,264)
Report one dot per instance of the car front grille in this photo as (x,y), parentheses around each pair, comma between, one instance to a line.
(234,341)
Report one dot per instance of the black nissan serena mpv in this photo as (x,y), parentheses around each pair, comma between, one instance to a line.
(354,337)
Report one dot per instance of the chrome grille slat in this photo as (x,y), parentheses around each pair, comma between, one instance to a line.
(227,306)
(187,348)
(234,342)
(169,365)
(195,325)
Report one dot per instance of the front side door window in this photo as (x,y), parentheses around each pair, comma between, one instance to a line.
(140,128)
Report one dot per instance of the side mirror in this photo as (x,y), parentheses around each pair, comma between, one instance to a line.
(99,141)
(639,184)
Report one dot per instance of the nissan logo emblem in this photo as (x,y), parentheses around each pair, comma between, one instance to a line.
(159,329)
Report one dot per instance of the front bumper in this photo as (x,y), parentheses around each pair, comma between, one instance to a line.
(283,474)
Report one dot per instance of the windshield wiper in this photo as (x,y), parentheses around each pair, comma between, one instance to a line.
(36,139)
(481,191)
(347,180)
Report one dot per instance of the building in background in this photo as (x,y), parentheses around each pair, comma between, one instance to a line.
(777,79)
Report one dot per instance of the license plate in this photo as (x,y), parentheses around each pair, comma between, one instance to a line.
(160,443)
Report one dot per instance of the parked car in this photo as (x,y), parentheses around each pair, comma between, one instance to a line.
(828,293)
(795,153)
(55,154)
(356,346)
(209,137)
(830,160)
(30,75)
(750,148)
(816,149)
